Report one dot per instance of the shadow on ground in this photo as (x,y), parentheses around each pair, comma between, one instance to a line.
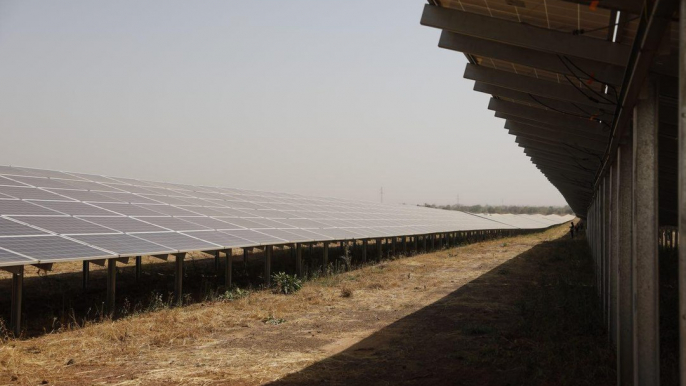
(531,321)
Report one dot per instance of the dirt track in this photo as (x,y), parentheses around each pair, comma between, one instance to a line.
(450,317)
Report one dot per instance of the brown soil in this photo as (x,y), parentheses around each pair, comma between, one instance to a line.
(461,316)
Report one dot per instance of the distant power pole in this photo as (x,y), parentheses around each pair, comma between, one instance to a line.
(458,200)
(382,194)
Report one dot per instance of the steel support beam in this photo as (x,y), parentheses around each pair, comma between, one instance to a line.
(645,217)
(325,256)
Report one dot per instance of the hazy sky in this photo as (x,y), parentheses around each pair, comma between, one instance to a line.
(312,97)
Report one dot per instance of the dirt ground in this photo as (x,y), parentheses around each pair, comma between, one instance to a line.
(471,315)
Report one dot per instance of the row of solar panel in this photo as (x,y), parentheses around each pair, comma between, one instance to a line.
(48,216)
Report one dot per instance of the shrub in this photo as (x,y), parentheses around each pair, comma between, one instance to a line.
(285,283)
(233,294)
(346,292)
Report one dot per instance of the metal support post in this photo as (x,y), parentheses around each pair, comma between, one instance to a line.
(625,329)
(139,264)
(17,289)
(268,250)
(681,108)
(111,285)
(228,269)
(178,279)
(379,249)
(645,217)
(86,275)
(299,259)
(364,250)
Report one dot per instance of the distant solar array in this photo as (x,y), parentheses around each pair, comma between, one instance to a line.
(49,216)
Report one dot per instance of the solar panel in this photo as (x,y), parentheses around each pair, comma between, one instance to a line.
(169,210)
(127,209)
(64,224)
(129,198)
(84,195)
(289,235)
(13,228)
(124,224)
(221,238)
(178,241)
(23,208)
(50,248)
(29,193)
(106,217)
(74,208)
(42,182)
(255,236)
(8,258)
(244,223)
(174,223)
(124,245)
(210,222)
(8,182)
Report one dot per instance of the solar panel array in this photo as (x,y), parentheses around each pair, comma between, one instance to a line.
(49,216)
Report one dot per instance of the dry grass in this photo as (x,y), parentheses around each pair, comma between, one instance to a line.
(222,342)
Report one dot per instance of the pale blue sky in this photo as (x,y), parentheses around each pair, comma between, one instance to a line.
(312,97)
